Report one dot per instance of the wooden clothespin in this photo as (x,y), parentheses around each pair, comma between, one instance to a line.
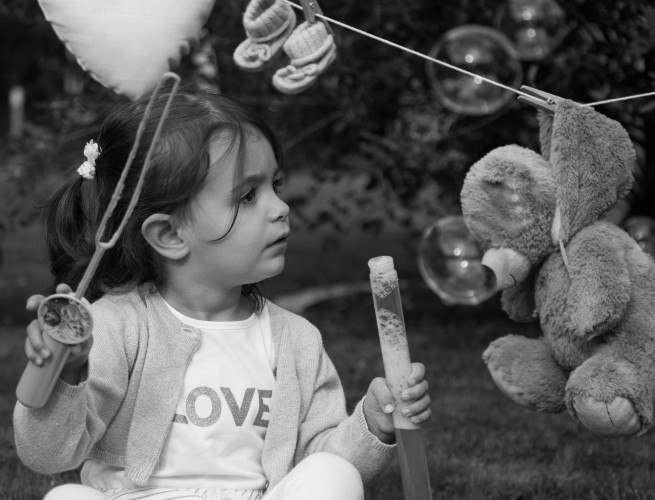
(311,8)
(541,99)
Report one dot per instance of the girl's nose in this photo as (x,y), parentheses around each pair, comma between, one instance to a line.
(281,209)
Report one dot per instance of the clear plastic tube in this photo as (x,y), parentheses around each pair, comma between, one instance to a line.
(391,329)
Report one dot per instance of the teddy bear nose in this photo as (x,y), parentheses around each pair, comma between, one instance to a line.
(509,266)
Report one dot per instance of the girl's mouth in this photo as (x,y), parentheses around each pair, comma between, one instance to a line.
(282,240)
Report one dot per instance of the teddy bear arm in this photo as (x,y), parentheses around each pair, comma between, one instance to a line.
(600,289)
(518,301)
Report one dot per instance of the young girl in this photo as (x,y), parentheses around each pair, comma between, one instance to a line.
(195,386)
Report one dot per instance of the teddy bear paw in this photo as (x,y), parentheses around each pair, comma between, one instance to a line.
(616,418)
(505,384)
(525,371)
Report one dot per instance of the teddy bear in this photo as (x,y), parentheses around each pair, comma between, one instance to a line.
(538,218)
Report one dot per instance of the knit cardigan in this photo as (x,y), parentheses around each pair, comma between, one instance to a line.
(124,405)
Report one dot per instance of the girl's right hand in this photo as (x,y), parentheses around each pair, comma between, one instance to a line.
(37,351)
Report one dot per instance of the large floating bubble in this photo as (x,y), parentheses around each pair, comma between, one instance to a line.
(480,50)
(449,259)
(534,26)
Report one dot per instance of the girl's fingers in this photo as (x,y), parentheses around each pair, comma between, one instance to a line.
(416,391)
(419,409)
(63,288)
(33,302)
(380,391)
(29,351)
(32,354)
(421,417)
(416,374)
(35,339)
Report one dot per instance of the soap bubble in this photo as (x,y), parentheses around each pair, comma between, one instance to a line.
(449,260)
(534,26)
(480,50)
(514,209)
(642,230)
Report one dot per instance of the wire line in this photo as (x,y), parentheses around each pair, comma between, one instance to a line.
(450,66)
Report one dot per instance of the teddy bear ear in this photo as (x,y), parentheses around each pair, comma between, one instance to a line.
(545,120)
(592,158)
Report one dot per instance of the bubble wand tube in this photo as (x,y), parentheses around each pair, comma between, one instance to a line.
(397,368)
(66,319)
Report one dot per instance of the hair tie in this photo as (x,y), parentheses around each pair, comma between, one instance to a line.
(88,169)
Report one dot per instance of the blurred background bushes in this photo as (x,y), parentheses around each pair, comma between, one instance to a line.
(370,147)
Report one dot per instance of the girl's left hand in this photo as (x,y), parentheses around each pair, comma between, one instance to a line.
(379,404)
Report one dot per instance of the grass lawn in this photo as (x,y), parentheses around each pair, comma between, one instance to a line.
(480,445)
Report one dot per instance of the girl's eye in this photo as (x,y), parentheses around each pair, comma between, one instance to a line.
(250,196)
(277,184)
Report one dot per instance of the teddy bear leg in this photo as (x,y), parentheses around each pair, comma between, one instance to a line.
(525,370)
(610,397)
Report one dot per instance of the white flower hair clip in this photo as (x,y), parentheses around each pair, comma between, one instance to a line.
(88,169)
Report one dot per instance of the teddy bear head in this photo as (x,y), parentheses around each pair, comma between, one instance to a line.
(522,205)
(508,202)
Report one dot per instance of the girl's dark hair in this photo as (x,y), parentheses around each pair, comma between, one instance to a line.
(179,167)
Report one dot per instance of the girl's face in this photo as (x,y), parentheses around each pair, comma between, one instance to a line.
(255,247)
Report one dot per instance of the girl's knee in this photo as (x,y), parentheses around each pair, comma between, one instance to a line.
(339,473)
(74,492)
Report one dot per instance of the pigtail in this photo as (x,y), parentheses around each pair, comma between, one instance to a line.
(69,219)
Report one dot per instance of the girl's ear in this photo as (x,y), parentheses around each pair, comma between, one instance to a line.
(161,235)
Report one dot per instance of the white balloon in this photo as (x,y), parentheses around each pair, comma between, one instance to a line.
(127,45)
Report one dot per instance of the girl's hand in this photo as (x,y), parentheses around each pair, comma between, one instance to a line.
(379,404)
(37,351)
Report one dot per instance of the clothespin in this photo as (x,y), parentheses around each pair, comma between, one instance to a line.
(542,99)
(311,8)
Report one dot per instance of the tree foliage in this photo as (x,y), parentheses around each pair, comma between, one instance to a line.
(369,145)
(375,118)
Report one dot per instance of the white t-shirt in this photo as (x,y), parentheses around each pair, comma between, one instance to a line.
(217,435)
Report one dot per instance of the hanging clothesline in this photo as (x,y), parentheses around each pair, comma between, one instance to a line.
(450,66)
